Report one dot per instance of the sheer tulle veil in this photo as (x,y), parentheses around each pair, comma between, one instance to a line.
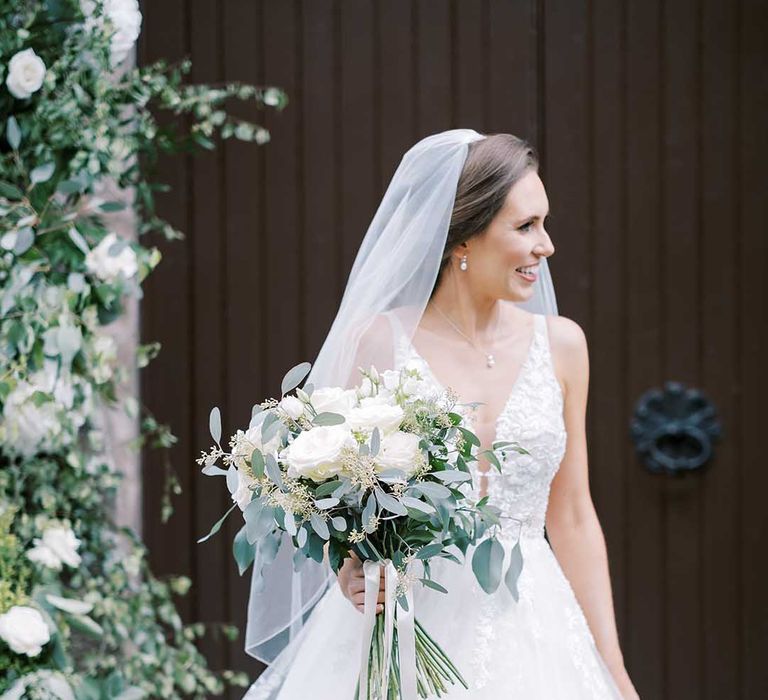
(394,273)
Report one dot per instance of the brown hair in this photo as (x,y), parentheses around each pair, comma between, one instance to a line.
(493,165)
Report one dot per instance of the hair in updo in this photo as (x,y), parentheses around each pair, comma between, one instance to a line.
(493,165)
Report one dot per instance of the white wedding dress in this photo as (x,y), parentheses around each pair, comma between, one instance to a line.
(537,648)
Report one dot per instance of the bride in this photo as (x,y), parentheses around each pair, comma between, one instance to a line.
(452,279)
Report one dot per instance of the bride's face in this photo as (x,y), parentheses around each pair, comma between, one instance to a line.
(515,238)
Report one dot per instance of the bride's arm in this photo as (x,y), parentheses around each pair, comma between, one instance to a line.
(573,527)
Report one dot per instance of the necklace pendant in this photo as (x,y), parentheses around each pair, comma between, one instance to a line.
(490,361)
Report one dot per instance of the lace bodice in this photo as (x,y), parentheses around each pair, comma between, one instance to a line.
(533,417)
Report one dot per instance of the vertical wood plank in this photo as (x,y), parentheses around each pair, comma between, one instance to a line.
(753,224)
(720,565)
(208,378)
(359,153)
(646,541)
(566,167)
(397,86)
(434,67)
(321,143)
(608,398)
(469,53)
(512,69)
(170,283)
(282,245)
(245,285)
(679,270)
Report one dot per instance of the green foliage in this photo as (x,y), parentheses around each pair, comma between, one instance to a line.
(76,149)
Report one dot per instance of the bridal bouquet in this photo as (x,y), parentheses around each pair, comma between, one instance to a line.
(381,470)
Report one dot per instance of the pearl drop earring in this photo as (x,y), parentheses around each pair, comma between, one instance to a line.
(463,263)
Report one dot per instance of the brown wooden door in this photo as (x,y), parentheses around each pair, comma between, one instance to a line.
(650,120)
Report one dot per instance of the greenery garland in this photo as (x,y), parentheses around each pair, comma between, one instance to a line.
(81,615)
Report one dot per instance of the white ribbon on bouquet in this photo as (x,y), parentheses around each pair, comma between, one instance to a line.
(394,613)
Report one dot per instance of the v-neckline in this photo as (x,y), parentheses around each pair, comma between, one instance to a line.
(513,390)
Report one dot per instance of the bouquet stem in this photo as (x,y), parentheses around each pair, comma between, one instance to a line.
(434,670)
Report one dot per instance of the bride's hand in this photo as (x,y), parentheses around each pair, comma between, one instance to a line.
(352,583)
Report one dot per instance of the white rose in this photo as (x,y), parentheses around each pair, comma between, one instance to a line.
(292,406)
(57,546)
(383,398)
(24,630)
(125,18)
(109,267)
(26,72)
(316,453)
(27,428)
(366,388)
(399,450)
(243,493)
(333,399)
(391,379)
(385,417)
(52,684)
(246,442)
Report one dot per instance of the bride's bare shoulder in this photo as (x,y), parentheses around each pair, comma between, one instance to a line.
(568,347)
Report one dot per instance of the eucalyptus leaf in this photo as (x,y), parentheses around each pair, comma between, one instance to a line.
(327,488)
(268,547)
(368,512)
(325,503)
(233,479)
(273,471)
(487,561)
(344,487)
(319,526)
(258,526)
(243,551)
(392,476)
(469,436)
(112,206)
(79,241)
(301,537)
(214,424)
(339,523)
(492,458)
(25,238)
(257,463)
(213,470)
(294,376)
(416,504)
(10,191)
(328,418)
(432,490)
(450,476)
(42,173)
(290,523)
(430,550)
(13,133)
(217,525)
(513,572)
(429,583)
(390,503)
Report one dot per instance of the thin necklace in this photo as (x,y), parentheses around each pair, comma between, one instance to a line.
(490,360)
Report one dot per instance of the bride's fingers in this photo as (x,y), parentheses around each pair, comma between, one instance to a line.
(357,584)
(358,600)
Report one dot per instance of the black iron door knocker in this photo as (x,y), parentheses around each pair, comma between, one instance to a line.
(674,429)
